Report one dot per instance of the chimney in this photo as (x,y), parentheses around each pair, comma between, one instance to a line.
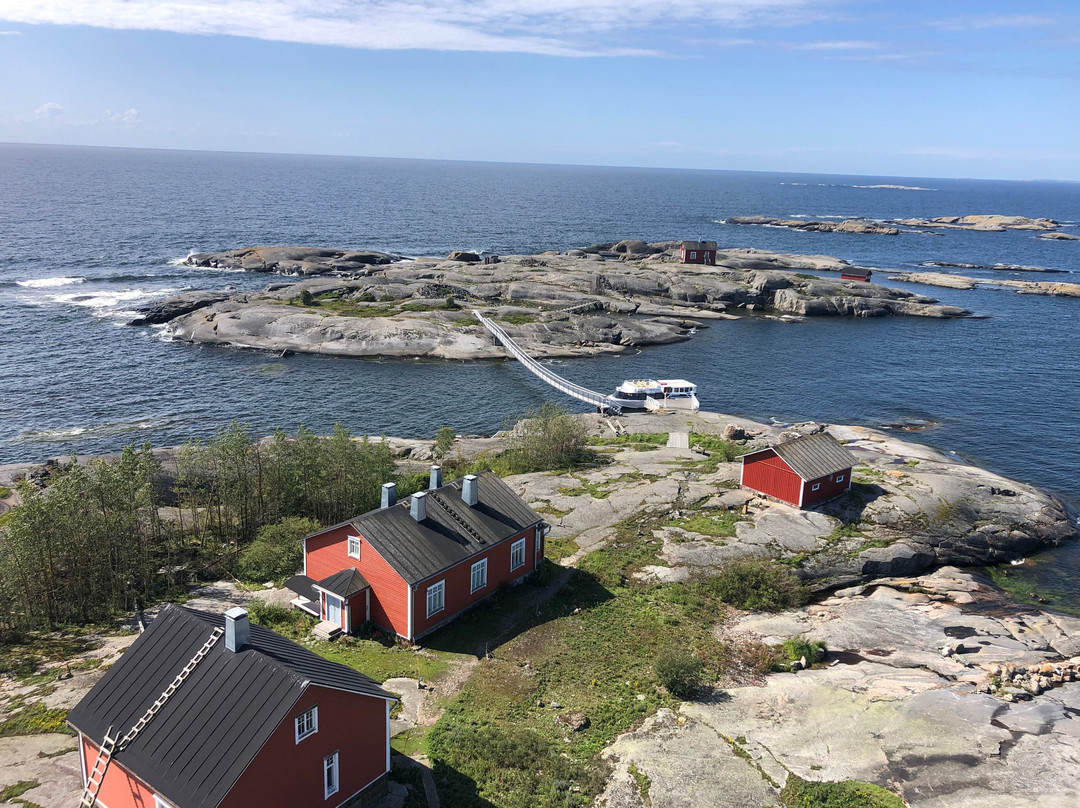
(468,490)
(389,495)
(237,629)
(418,508)
(436,478)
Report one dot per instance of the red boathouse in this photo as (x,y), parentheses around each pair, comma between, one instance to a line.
(856,274)
(801,472)
(412,566)
(208,711)
(698,252)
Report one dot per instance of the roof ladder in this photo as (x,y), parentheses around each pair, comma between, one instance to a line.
(465,525)
(97,773)
(111,744)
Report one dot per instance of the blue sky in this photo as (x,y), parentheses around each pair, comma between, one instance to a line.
(961,89)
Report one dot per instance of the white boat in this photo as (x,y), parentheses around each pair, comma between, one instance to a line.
(656,394)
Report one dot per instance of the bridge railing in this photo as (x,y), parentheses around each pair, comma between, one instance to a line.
(599,400)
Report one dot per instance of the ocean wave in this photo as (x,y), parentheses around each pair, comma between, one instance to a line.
(893,187)
(178,262)
(79,432)
(48,283)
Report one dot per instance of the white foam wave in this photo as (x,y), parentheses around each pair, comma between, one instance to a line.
(107,300)
(70,433)
(48,283)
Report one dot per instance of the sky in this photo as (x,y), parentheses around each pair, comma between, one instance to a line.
(984,89)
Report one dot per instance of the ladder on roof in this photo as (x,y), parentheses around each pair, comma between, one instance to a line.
(97,773)
(453,515)
(112,744)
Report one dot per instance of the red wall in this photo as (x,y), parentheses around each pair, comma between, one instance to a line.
(765,472)
(289,773)
(120,789)
(459,578)
(328,553)
(702,256)
(829,488)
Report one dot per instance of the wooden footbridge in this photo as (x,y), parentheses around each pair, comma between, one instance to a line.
(603,403)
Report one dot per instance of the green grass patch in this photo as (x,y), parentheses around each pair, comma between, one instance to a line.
(799,793)
(557,548)
(5,492)
(652,439)
(551,510)
(34,719)
(21,654)
(518,318)
(845,530)
(642,781)
(466,322)
(17,790)
(718,524)
(755,584)
(410,742)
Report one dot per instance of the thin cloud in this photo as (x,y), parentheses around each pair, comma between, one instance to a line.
(979,22)
(11,33)
(844,45)
(129,117)
(548,27)
(48,111)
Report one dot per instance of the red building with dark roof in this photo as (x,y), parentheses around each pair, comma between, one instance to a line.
(409,567)
(208,711)
(698,252)
(800,472)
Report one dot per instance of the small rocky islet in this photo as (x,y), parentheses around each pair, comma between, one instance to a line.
(605,298)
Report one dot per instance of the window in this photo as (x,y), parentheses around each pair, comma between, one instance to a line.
(436,599)
(815,486)
(517,554)
(839,478)
(354,547)
(693,254)
(307,723)
(330,775)
(479,575)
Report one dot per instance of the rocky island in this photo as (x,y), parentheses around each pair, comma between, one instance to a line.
(603,298)
(991,223)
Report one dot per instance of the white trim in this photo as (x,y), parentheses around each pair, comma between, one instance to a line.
(82,761)
(482,567)
(815,487)
(348,546)
(840,479)
(440,586)
(513,547)
(314,711)
(334,766)
(161,802)
(802,491)
(412,598)
(304,542)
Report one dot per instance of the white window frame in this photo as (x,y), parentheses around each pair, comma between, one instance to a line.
(840,478)
(331,773)
(354,553)
(438,591)
(815,486)
(693,253)
(303,726)
(481,568)
(517,550)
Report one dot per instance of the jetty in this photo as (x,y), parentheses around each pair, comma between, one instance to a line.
(602,402)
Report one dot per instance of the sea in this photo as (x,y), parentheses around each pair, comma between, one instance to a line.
(87,235)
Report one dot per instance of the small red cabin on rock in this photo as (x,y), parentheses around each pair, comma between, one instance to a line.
(855,274)
(698,252)
(410,567)
(207,711)
(800,472)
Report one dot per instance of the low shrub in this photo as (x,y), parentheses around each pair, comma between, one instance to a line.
(276,551)
(679,671)
(799,793)
(756,585)
(798,648)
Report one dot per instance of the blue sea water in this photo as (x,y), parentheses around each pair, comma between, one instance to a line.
(88,234)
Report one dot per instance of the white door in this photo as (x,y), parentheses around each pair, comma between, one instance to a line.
(333,610)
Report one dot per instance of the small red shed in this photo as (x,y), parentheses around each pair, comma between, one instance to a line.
(801,472)
(410,567)
(698,252)
(208,711)
(856,274)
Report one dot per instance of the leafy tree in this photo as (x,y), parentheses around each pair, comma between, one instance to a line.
(276,551)
(548,438)
(444,442)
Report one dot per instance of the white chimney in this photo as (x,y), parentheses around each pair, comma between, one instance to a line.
(436,478)
(237,629)
(468,490)
(418,508)
(389,495)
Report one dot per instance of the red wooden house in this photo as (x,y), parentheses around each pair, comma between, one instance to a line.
(856,274)
(801,472)
(698,252)
(206,710)
(412,566)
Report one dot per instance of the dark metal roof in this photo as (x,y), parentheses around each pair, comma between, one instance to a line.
(210,730)
(452,531)
(814,456)
(302,586)
(344,584)
(699,245)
